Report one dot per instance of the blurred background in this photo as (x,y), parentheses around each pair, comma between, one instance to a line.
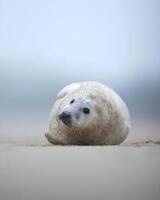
(45,45)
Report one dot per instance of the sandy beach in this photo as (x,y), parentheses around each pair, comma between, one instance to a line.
(80,172)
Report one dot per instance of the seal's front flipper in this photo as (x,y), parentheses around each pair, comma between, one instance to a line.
(53,140)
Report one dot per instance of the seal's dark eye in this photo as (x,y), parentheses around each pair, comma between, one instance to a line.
(86,110)
(72,101)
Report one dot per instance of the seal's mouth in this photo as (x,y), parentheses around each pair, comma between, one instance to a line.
(66,118)
(67,122)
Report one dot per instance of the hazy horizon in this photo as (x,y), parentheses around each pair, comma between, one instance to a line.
(45,45)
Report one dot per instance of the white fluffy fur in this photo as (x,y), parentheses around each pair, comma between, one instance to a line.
(107,124)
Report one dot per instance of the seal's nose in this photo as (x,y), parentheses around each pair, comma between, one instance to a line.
(65,117)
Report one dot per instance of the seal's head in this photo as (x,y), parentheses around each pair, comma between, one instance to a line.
(80,112)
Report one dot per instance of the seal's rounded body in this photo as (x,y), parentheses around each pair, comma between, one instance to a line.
(88,113)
